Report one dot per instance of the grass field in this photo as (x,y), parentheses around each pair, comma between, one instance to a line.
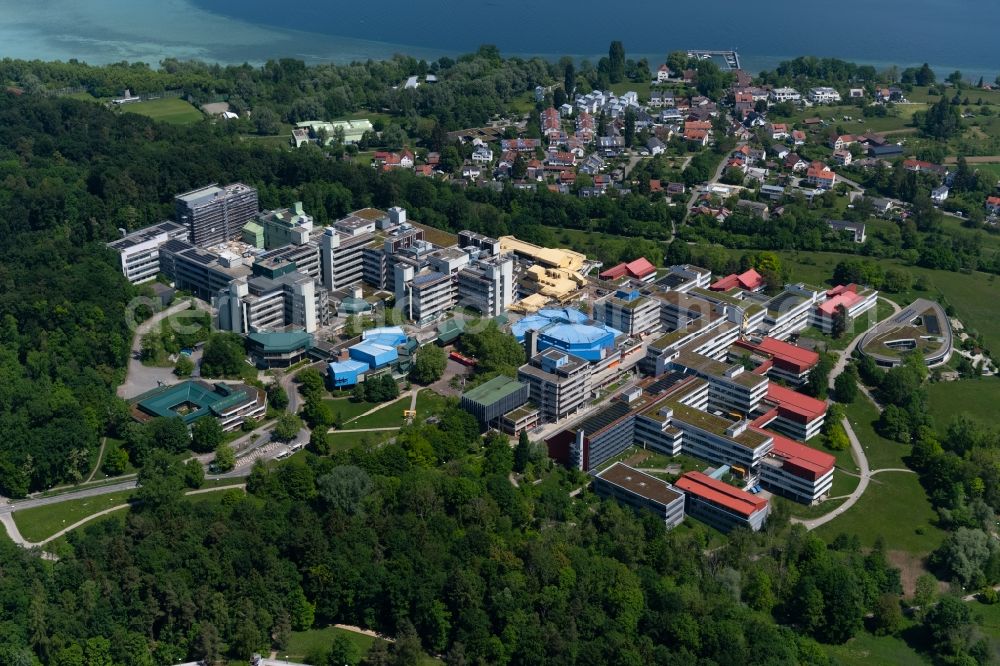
(882,453)
(389,416)
(865,649)
(977,397)
(348,409)
(342,440)
(428,403)
(41,522)
(171,110)
(314,642)
(895,507)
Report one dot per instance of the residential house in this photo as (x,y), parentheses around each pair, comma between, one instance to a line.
(842,157)
(919,166)
(856,229)
(798,137)
(655,146)
(856,93)
(821,176)
(993,205)
(482,155)
(841,141)
(566,110)
(780,151)
(611,146)
(824,95)
(939,194)
(520,145)
(662,73)
(779,95)
(755,208)
(772,192)
(779,131)
(675,189)
(592,165)
(795,163)
(671,116)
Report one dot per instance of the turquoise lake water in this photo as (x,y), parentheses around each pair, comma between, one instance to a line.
(950,34)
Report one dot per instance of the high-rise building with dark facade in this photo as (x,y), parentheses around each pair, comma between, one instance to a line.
(216,214)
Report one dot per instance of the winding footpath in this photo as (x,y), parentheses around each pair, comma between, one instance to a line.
(857,450)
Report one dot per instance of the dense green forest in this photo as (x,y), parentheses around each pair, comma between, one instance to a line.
(480,570)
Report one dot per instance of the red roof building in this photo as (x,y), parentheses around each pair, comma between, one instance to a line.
(639,269)
(750,280)
(789,362)
(720,504)
(795,470)
(799,415)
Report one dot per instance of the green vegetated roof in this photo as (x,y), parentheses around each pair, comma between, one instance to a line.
(495,389)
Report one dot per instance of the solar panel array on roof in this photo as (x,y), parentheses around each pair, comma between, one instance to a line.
(665,382)
(672,280)
(606,417)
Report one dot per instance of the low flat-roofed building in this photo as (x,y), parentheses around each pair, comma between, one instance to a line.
(720,505)
(922,327)
(490,401)
(516,421)
(641,491)
(796,471)
(191,400)
(140,250)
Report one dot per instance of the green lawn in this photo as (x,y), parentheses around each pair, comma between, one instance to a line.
(171,110)
(895,507)
(312,643)
(865,649)
(389,416)
(881,452)
(429,403)
(41,522)
(348,408)
(977,397)
(342,440)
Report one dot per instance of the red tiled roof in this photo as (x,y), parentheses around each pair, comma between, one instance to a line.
(723,494)
(794,405)
(641,267)
(845,299)
(799,459)
(784,353)
(993,201)
(749,280)
(654,185)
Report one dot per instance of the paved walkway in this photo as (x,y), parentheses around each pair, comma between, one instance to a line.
(140,378)
(15,534)
(857,451)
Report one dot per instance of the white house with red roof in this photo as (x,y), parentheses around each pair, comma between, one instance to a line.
(821,176)
(662,73)
(798,137)
(843,157)
(841,141)
(779,131)
(993,204)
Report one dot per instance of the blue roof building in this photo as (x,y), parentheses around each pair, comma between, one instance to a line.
(373,354)
(390,336)
(569,330)
(346,373)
